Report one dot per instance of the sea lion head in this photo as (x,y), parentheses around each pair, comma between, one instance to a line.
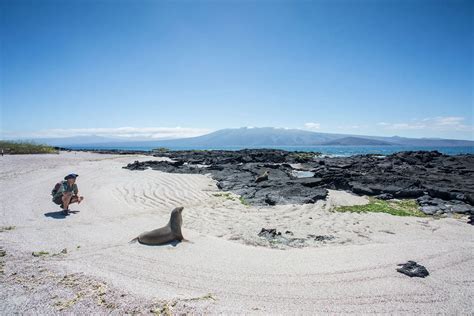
(178,209)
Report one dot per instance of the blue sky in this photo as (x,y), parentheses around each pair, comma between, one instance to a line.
(183,68)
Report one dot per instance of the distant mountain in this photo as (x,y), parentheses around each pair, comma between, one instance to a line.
(255,137)
(356,141)
(264,136)
(269,136)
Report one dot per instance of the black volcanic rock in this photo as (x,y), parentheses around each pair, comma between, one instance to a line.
(413,269)
(441,183)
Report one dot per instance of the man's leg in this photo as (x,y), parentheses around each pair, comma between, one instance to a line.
(66,200)
(74,199)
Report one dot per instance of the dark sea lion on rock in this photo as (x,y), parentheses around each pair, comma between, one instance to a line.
(168,233)
(262,177)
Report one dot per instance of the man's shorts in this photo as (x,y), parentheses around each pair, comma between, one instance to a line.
(58,199)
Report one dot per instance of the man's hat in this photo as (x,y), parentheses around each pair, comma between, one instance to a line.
(71,176)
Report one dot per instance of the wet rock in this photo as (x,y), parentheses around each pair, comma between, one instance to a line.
(412,269)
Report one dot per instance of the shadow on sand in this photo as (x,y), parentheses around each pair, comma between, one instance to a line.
(59,214)
(173,243)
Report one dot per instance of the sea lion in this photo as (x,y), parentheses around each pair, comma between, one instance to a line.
(169,232)
(262,177)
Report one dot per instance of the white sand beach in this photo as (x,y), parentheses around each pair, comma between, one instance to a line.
(226,267)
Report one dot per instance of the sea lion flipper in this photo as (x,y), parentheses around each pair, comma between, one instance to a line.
(134,240)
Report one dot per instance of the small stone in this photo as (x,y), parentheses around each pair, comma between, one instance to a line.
(412,269)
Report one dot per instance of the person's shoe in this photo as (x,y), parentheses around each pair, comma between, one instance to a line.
(66,212)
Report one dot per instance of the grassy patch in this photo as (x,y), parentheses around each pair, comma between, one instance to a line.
(62,305)
(39,253)
(225,195)
(6,228)
(15,147)
(160,150)
(394,207)
(457,215)
(166,307)
(304,156)
(244,201)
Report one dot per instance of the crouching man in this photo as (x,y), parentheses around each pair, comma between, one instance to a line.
(66,193)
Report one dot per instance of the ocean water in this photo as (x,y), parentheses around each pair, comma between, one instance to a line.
(325,150)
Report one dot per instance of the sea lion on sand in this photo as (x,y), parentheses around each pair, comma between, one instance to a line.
(169,232)
(262,177)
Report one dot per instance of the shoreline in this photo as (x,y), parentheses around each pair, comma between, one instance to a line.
(336,150)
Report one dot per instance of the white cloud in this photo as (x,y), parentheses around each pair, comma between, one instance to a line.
(120,132)
(440,123)
(352,127)
(312,126)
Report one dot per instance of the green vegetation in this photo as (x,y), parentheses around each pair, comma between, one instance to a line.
(304,156)
(165,307)
(244,201)
(15,148)
(161,150)
(231,197)
(393,207)
(45,253)
(225,195)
